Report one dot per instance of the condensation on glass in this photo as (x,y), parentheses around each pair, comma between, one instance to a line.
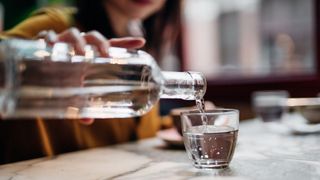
(52,82)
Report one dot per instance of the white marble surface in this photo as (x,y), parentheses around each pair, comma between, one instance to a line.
(262,152)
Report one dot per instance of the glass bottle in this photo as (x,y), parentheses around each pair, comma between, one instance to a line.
(51,82)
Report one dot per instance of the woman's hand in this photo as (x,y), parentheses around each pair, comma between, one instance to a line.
(79,40)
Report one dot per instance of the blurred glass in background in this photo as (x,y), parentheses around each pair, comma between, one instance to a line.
(270,106)
(249,38)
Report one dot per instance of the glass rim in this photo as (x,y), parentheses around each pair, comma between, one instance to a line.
(217,111)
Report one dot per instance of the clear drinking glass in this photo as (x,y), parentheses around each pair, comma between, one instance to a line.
(270,106)
(210,138)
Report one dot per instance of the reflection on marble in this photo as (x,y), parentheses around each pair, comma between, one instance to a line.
(261,153)
(91,164)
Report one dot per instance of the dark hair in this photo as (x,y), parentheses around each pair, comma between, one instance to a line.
(161,29)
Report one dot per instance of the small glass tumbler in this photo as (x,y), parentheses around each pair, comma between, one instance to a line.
(270,106)
(210,137)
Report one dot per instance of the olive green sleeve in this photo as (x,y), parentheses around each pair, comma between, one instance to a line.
(57,19)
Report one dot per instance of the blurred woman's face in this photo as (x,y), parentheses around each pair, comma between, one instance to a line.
(137,9)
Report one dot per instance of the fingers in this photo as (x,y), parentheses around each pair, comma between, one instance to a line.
(79,40)
(99,41)
(73,36)
(128,42)
(49,36)
(86,121)
(209,105)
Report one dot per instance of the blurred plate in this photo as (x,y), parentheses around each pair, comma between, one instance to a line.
(299,125)
(295,102)
(171,137)
(308,107)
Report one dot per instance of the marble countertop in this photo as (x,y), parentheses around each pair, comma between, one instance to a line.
(262,152)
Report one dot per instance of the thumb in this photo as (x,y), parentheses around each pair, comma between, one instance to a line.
(86,121)
(128,42)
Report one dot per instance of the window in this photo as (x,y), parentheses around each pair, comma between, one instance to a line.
(250,38)
(250,45)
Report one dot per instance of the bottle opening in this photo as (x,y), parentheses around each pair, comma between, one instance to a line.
(183,85)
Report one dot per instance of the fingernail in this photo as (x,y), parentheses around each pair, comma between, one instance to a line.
(87,121)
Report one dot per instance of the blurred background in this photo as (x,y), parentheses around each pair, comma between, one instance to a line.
(252,45)
(241,46)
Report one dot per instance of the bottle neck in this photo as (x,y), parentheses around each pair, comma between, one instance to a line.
(183,85)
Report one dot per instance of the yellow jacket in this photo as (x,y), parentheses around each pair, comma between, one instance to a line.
(24,139)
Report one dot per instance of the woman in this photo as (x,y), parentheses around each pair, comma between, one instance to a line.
(155,20)
(158,21)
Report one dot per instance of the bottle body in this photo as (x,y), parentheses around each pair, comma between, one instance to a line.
(127,84)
